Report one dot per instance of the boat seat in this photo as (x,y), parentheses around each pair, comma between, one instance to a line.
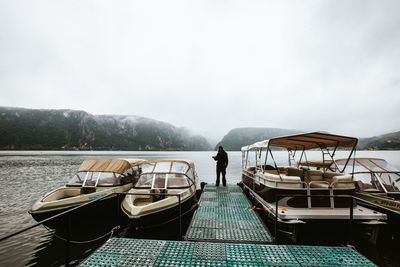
(272,172)
(293,181)
(251,169)
(347,180)
(328,175)
(340,180)
(158,191)
(269,167)
(313,175)
(319,184)
(282,170)
(293,171)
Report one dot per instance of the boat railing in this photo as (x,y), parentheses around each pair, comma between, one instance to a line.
(353,201)
(67,216)
(305,184)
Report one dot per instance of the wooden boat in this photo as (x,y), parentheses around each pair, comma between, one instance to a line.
(154,200)
(95,178)
(295,195)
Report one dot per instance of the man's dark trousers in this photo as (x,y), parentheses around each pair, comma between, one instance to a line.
(221,169)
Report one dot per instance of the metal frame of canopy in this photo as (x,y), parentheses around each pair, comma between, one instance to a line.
(303,142)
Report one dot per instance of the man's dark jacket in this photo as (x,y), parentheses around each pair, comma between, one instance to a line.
(222,159)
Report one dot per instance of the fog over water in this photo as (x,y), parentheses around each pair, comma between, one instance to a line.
(208,65)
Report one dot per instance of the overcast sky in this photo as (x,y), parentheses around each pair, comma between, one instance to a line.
(209,66)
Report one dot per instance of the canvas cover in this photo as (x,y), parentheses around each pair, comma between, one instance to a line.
(305,141)
(109,165)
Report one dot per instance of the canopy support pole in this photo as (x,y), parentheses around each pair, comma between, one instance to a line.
(276,167)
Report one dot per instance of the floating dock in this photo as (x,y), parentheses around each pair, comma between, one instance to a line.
(224,215)
(236,233)
(144,252)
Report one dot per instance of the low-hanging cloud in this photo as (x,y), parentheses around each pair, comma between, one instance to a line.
(208,65)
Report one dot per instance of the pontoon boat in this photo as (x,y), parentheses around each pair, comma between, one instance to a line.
(302,195)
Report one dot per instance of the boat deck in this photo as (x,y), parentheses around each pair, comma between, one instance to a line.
(359,213)
(224,216)
(145,252)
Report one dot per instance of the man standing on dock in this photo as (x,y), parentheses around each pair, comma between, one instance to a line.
(222,163)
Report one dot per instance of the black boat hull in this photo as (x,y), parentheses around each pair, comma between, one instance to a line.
(164,220)
(107,211)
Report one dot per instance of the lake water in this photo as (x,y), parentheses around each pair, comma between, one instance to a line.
(25,176)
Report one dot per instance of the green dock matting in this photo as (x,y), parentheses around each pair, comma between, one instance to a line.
(144,252)
(223,216)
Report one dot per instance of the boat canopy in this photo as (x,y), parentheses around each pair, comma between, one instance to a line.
(106,172)
(305,141)
(109,165)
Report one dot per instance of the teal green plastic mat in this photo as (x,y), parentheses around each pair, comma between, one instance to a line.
(140,252)
(224,215)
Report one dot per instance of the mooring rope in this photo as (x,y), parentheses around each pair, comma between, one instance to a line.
(87,241)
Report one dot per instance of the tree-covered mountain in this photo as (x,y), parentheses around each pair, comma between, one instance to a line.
(239,137)
(78,130)
(389,141)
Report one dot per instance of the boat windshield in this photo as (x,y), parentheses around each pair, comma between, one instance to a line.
(166,174)
(367,165)
(373,174)
(95,179)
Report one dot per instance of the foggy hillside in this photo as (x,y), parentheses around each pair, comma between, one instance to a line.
(239,137)
(236,138)
(78,130)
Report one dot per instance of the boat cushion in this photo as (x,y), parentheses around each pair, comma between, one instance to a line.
(313,175)
(293,181)
(319,184)
(328,176)
(251,169)
(293,171)
(272,172)
(343,178)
